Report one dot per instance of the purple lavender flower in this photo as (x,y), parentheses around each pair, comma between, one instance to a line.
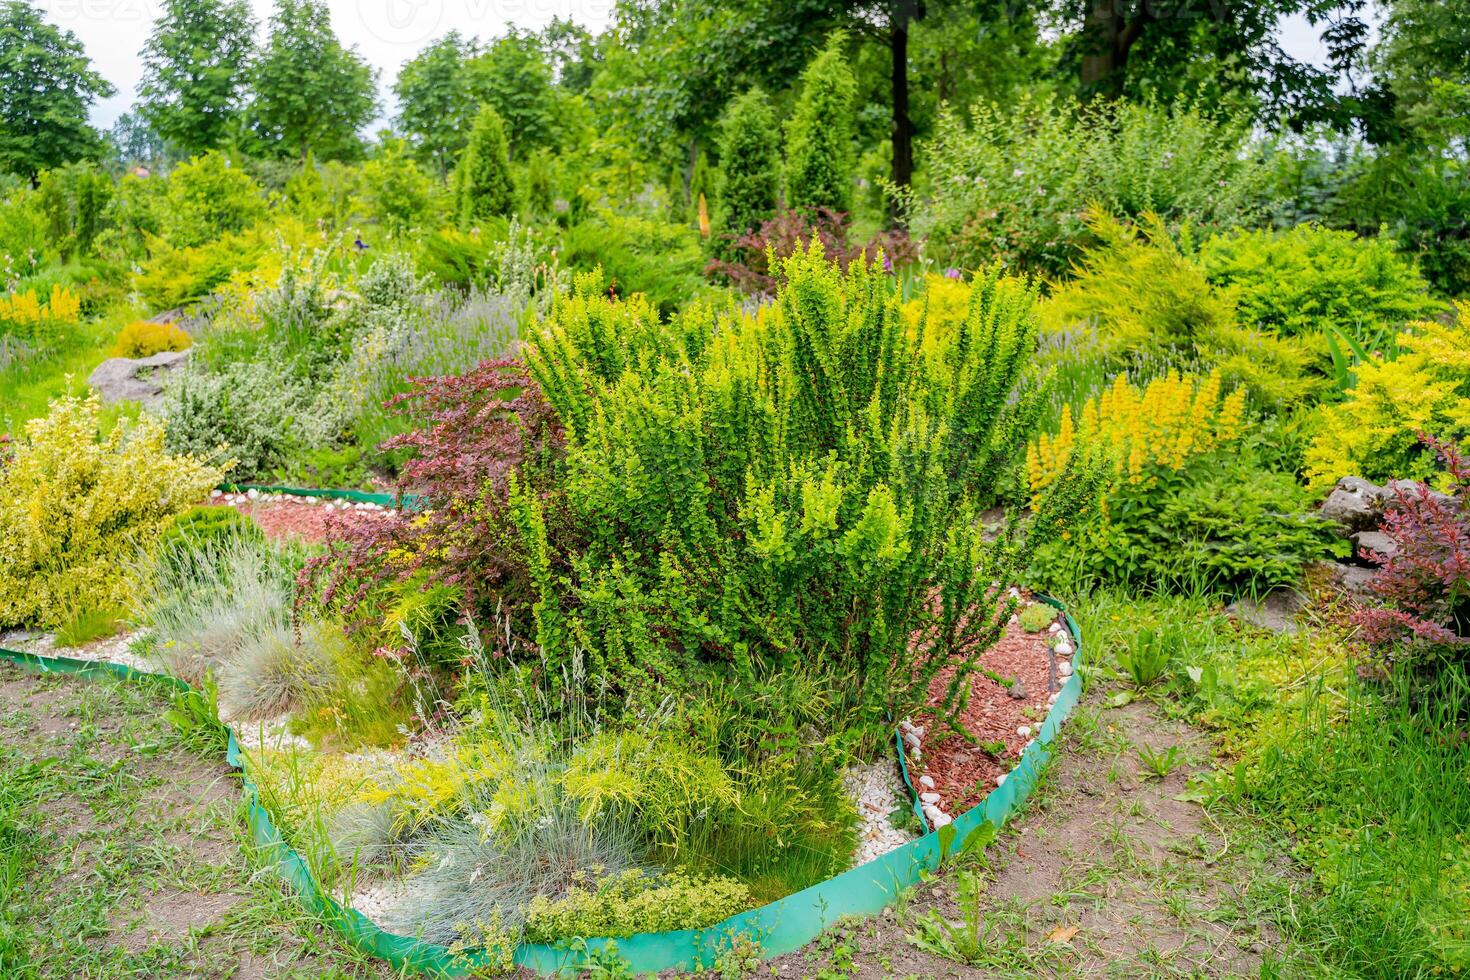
(951,273)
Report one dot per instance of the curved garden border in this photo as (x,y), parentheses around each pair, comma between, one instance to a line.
(780,927)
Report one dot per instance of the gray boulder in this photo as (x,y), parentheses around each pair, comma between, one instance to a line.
(123,379)
(1276,611)
(1356,504)
(1373,541)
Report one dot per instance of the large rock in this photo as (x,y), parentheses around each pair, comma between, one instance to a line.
(1375,541)
(1276,611)
(123,379)
(1356,504)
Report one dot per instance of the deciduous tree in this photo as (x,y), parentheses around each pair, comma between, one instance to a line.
(311,93)
(195,70)
(47,86)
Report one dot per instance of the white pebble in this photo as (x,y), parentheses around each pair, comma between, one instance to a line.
(1064,649)
(252,494)
(912,739)
(933,798)
(941,820)
(215,494)
(1014,620)
(1024,731)
(926,781)
(1064,669)
(1054,628)
(916,755)
(1000,780)
(329,508)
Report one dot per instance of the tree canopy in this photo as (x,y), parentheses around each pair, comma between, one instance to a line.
(311,95)
(195,69)
(48,87)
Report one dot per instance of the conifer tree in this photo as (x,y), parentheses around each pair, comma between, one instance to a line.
(750,164)
(482,183)
(819,138)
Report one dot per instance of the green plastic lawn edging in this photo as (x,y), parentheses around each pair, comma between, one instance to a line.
(407,501)
(780,927)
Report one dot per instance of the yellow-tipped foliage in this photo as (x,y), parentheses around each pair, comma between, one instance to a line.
(75,505)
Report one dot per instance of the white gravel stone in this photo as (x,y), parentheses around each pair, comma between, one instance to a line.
(1024,731)
(941,820)
(1064,669)
(926,781)
(1000,780)
(877,792)
(933,798)
(1054,628)
(216,494)
(385,903)
(273,733)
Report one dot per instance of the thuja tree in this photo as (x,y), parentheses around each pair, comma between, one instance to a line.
(819,137)
(483,186)
(750,165)
(799,487)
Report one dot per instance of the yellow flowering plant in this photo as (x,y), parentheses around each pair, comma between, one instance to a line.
(1144,431)
(75,505)
(35,318)
(1182,501)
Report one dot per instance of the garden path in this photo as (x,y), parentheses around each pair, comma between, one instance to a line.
(1105,874)
(124,849)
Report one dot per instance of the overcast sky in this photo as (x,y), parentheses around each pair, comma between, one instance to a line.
(386,32)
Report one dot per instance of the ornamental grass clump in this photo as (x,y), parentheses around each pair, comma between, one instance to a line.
(75,504)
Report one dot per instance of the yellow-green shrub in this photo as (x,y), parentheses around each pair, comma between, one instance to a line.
(75,506)
(143,338)
(1146,299)
(1374,434)
(634,901)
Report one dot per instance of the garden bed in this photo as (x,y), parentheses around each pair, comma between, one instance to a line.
(887,863)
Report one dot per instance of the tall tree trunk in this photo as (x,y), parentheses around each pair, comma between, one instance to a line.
(902,172)
(1109,32)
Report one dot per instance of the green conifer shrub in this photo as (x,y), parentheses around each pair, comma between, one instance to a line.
(483,186)
(820,161)
(750,165)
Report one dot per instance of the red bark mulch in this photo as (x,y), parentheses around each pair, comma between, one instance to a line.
(964,772)
(305,518)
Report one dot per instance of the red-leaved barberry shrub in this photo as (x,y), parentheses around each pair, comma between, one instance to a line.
(1423,588)
(749,265)
(470,433)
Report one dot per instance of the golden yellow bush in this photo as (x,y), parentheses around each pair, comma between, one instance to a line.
(945,301)
(76,506)
(142,338)
(1375,432)
(1170,421)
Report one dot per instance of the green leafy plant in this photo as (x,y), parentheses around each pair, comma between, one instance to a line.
(1037,616)
(1015,182)
(1158,765)
(1149,652)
